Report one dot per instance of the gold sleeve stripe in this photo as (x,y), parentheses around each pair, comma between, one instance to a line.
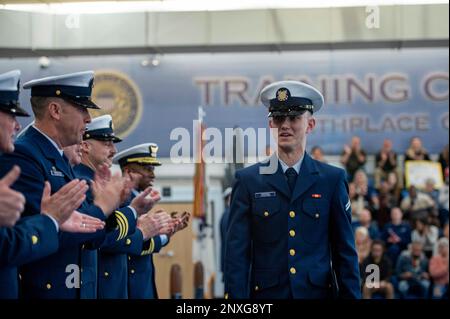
(121,224)
(152,246)
(125,226)
(125,221)
(150,249)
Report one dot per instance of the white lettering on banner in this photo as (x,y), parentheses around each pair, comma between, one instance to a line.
(415,122)
(392,87)
(435,86)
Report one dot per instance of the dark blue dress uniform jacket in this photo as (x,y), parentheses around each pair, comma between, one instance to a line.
(31,238)
(283,245)
(141,274)
(39,161)
(111,258)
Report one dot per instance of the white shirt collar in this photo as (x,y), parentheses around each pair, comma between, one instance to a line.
(60,151)
(296,166)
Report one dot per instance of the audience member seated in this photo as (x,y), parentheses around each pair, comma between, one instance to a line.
(417,205)
(363,242)
(377,258)
(389,197)
(356,201)
(385,163)
(396,234)
(426,234)
(353,157)
(412,267)
(416,152)
(430,190)
(365,220)
(364,192)
(438,269)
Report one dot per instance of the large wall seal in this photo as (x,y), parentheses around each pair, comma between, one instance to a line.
(119,96)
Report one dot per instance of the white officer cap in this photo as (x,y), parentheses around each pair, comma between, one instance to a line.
(9,94)
(286,98)
(74,87)
(101,128)
(143,154)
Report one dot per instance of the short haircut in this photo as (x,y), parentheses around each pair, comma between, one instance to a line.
(39,105)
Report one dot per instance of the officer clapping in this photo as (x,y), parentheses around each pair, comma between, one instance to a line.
(153,224)
(107,193)
(63,204)
(145,201)
(12,203)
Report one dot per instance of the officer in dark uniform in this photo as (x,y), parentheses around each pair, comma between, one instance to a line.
(290,233)
(98,149)
(60,106)
(101,130)
(36,236)
(139,162)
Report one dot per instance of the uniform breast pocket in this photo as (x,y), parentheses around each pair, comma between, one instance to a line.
(314,220)
(267,221)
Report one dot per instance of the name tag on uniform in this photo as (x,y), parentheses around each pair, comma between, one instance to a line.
(265,194)
(55,172)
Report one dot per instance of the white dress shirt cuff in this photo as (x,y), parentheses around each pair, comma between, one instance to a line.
(134,212)
(164,239)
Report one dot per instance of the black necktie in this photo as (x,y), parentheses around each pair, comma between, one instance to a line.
(291,175)
(66,160)
(69,167)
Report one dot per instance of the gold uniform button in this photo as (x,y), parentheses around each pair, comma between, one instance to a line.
(266,214)
(226,296)
(106,274)
(132,271)
(292,233)
(293,271)
(34,239)
(128,241)
(49,286)
(292,214)
(82,247)
(129,258)
(292,252)
(58,92)
(256,288)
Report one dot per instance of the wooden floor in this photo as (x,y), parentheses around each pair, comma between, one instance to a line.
(178,251)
